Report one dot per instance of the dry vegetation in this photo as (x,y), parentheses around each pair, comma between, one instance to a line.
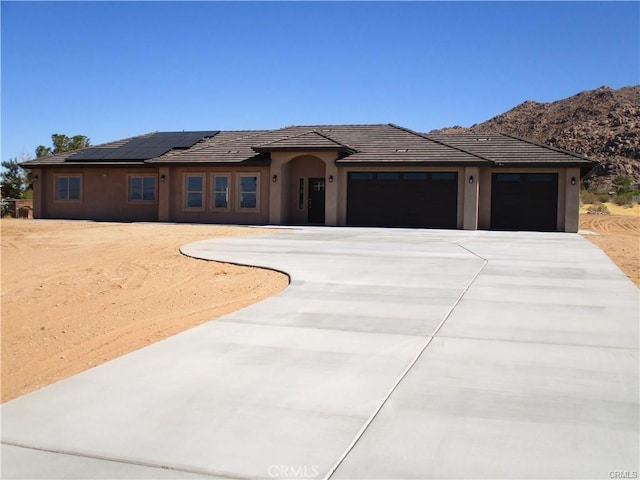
(76,294)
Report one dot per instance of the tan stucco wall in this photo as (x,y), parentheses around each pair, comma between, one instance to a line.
(484,199)
(36,175)
(572,200)
(164,194)
(289,168)
(304,167)
(104,194)
(175,193)
(470,203)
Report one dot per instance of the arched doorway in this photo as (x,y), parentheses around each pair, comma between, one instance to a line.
(306,190)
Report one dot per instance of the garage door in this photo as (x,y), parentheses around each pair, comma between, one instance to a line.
(407,199)
(524,201)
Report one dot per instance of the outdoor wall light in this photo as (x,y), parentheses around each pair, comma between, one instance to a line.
(573,180)
(163,177)
(35,178)
(274,179)
(471,179)
(330,178)
(105,174)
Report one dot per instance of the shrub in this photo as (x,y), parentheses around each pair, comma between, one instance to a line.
(604,197)
(587,197)
(623,199)
(598,209)
(4,207)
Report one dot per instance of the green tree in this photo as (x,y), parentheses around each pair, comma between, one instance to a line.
(63,143)
(43,151)
(622,184)
(14,180)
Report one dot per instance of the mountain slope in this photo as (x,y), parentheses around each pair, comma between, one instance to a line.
(601,124)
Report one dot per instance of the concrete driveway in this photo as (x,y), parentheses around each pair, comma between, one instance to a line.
(393,354)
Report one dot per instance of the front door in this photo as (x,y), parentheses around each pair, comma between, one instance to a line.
(316,201)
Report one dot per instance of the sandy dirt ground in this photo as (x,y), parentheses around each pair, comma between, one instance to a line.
(619,237)
(76,294)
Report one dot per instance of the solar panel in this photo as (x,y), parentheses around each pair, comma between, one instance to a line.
(143,148)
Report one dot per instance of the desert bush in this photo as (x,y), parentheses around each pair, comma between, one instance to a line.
(598,209)
(622,184)
(587,197)
(5,207)
(623,199)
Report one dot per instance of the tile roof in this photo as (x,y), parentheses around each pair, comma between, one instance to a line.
(505,150)
(311,141)
(381,144)
(391,144)
(363,144)
(226,147)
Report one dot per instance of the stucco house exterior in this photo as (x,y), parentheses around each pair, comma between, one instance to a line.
(360,175)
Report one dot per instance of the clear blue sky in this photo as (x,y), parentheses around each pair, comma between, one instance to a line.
(111,70)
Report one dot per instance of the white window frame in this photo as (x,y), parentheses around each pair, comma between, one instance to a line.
(142,176)
(59,176)
(215,175)
(185,192)
(240,176)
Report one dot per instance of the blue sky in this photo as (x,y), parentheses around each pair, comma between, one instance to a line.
(111,70)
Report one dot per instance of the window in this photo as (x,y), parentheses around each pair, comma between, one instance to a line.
(142,188)
(388,176)
(68,188)
(220,192)
(248,192)
(301,194)
(193,191)
(361,176)
(415,176)
(450,177)
(541,177)
(507,177)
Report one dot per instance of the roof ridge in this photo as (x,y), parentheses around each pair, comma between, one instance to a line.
(293,136)
(355,150)
(337,125)
(328,138)
(128,139)
(209,141)
(422,135)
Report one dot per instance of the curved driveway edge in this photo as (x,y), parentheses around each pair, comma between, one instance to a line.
(533,372)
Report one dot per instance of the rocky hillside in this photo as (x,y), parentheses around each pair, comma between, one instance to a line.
(601,124)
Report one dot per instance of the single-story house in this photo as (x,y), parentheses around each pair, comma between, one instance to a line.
(361,175)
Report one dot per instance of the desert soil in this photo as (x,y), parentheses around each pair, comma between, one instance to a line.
(76,294)
(619,237)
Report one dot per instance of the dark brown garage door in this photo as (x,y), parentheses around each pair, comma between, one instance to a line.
(524,201)
(403,199)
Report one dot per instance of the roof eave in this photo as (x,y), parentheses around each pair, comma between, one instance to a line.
(409,163)
(84,164)
(212,163)
(560,164)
